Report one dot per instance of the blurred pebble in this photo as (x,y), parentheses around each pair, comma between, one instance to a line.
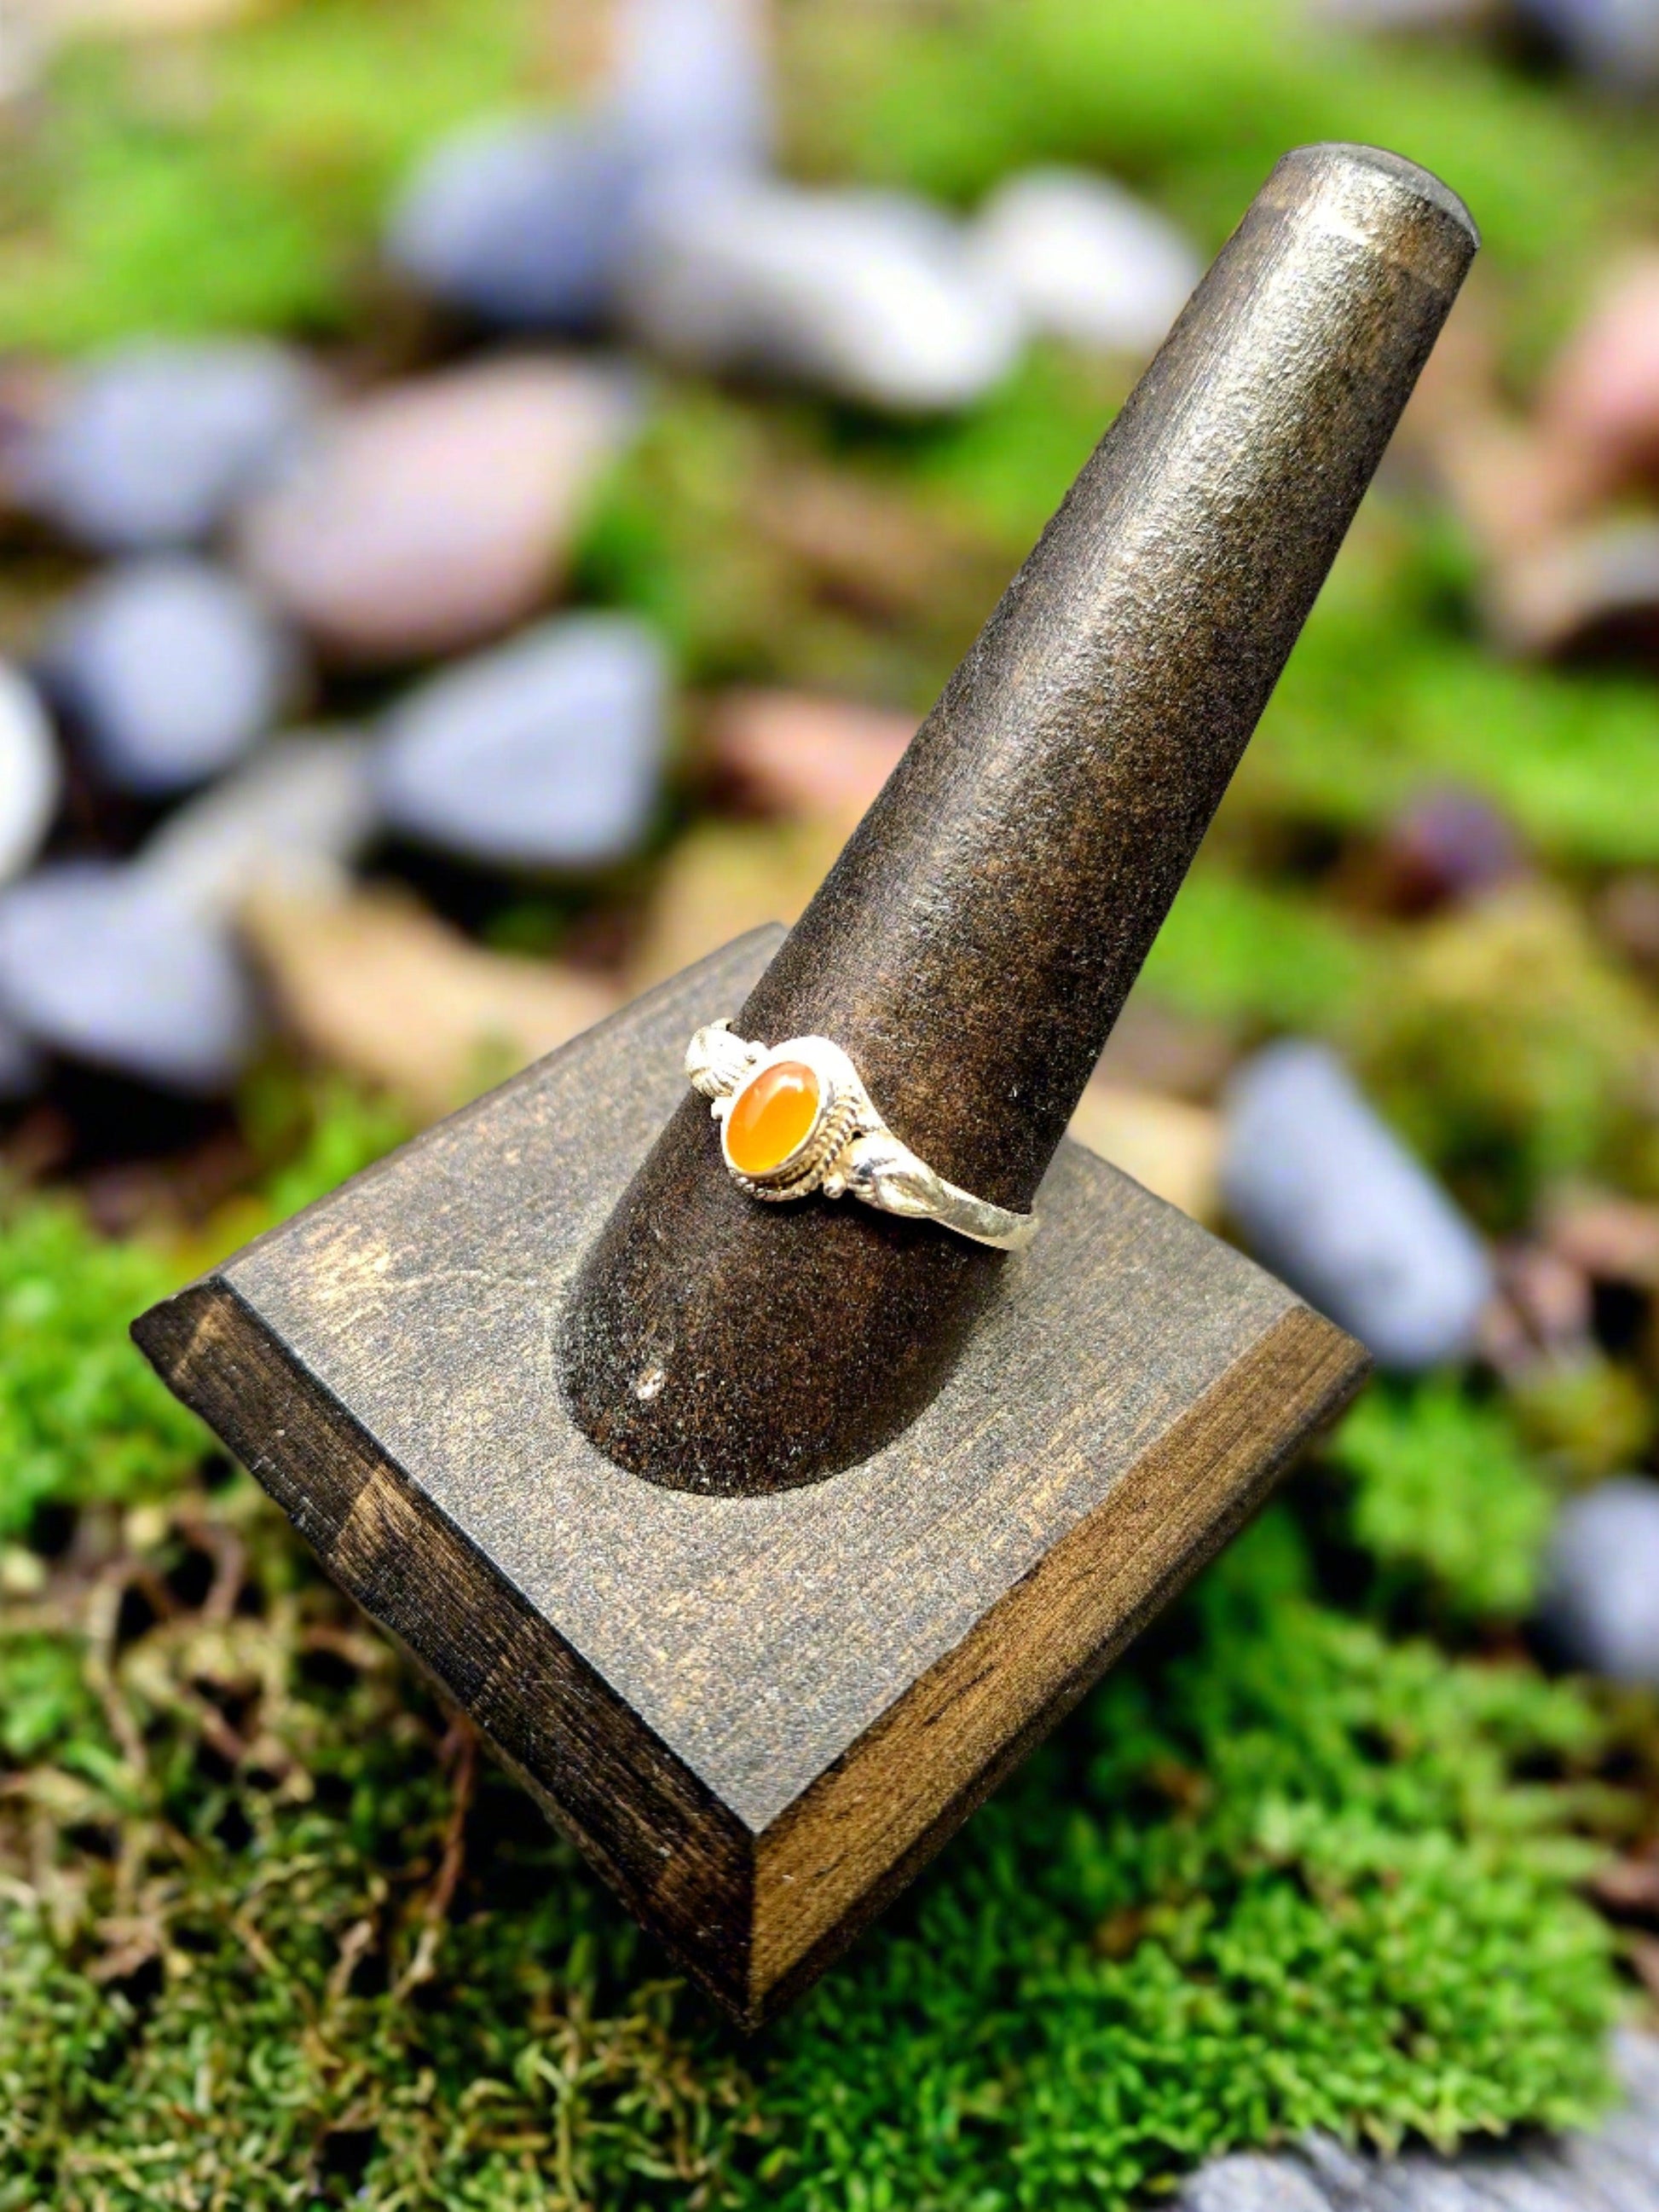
(1247,2181)
(95,964)
(31,392)
(1614,41)
(152,445)
(1328,1197)
(1598,412)
(1087,261)
(691,83)
(298,812)
(789,752)
(867,297)
(375,985)
(545,753)
(522,221)
(1601,1603)
(1444,847)
(1171,1146)
(1595,590)
(1609,2167)
(519,221)
(173,670)
(437,512)
(30,778)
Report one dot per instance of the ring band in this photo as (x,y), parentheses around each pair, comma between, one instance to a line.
(797,1118)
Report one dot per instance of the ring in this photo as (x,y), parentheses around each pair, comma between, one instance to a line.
(798,1119)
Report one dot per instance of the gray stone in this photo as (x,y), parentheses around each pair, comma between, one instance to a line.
(866,296)
(519,221)
(297,814)
(1327,1196)
(1246,2182)
(1086,260)
(152,446)
(1614,41)
(692,85)
(1596,2171)
(30,777)
(523,220)
(545,753)
(98,966)
(172,668)
(1601,1601)
(1614,2167)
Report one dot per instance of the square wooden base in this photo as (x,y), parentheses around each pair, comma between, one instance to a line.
(757,1716)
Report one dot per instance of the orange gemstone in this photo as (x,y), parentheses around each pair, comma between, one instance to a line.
(772,1116)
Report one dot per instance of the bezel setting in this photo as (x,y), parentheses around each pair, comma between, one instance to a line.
(841,1101)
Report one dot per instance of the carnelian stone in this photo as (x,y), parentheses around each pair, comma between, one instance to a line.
(771,1116)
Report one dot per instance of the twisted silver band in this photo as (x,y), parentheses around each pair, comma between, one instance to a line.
(836,1142)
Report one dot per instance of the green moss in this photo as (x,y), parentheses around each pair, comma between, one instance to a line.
(863,569)
(1589,1416)
(1199,99)
(82,1418)
(318,1134)
(1445,1497)
(1281,1873)
(1285,1876)
(1287,1885)
(1236,949)
(1512,1051)
(669,537)
(1013,459)
(1386,693)
(238,181)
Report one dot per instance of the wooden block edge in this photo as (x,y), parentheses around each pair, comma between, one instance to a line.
(868,1826)
(607,1781)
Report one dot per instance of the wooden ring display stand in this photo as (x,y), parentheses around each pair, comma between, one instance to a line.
(761,1540)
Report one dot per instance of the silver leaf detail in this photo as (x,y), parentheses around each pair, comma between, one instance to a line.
(884,1173)
(716,1062)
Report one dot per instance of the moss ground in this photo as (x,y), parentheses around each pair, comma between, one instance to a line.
(272,1931)
(275,1935)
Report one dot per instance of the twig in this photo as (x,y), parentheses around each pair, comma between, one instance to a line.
(460,1745)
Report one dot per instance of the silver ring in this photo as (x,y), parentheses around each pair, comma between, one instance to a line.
(797,1118)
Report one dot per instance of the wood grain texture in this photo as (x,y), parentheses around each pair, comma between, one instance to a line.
(971,947)
(758,1716)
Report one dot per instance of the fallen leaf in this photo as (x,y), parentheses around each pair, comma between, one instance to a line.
(725,878)
(373,984)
